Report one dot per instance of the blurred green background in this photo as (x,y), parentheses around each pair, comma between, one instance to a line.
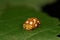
(13,13)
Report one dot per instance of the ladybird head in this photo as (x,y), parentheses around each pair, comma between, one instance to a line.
(27,26)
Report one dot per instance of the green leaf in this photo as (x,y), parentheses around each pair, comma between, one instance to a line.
(12,19)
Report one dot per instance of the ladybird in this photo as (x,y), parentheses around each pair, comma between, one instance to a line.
(31,23)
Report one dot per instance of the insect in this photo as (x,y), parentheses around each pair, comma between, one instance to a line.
(31,23)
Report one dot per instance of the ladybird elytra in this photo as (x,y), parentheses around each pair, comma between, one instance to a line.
(31,23)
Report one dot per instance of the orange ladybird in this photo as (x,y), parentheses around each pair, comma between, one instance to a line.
(31,23)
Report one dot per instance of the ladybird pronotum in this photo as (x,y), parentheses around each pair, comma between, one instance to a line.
(31,23)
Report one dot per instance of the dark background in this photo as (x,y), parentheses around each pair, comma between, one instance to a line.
(53,9)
